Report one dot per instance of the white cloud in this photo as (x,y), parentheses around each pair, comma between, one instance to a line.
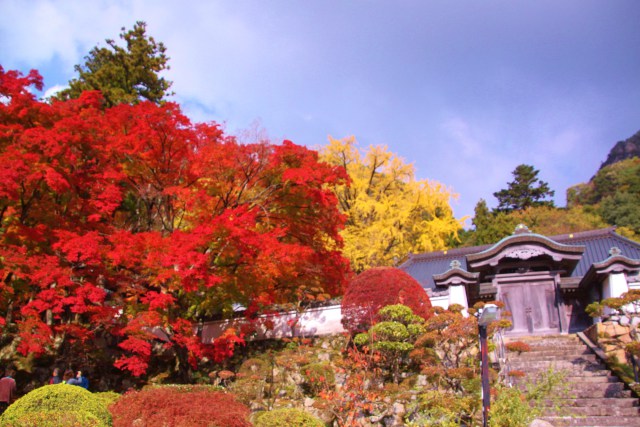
(39,32)
(462,138)
(52,91)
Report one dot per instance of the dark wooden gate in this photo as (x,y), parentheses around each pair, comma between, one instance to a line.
(533,307)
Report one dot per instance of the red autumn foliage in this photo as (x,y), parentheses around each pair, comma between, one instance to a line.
(133,223)
(518,346)
(376,288)
(517,374)
(183,406)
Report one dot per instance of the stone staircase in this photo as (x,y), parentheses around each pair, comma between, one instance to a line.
(592,396)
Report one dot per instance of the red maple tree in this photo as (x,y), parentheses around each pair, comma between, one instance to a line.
(133,223)
(376,288)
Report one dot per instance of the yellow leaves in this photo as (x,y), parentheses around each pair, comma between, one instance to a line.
(389,212)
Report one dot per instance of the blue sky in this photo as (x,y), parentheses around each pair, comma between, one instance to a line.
(466,90)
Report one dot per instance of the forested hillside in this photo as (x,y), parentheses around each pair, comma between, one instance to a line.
(610,198)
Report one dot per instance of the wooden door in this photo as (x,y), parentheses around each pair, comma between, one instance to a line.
(533,307)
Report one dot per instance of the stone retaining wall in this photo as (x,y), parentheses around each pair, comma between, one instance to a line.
(613,335)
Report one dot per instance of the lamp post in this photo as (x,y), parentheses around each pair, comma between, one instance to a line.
(489,314)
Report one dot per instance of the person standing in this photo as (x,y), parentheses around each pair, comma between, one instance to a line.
(55,378)
(7,389)
(67,376)
(81,380)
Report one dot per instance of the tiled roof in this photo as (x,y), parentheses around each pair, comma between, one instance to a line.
(597,244)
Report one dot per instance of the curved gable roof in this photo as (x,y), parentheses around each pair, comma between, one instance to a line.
(596,243)
(524,245)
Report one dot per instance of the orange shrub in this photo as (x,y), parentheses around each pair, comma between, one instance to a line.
(518,346)
(179,406)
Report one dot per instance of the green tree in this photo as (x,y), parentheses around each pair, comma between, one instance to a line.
(622,209)
(124,75)
(490,227)
(614,194)
(524,191)
(549,221)
(393,338)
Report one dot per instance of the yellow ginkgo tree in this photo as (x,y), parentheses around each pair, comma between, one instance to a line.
(389,212)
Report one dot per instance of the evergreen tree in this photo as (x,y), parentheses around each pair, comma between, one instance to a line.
(124,75)
(490,227)
(526,190)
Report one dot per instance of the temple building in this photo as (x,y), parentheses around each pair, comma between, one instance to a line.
(545,282)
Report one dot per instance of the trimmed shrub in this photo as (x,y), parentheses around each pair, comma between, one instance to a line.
(54,419)
(376,288)
(107,397)
(65,399)
(179,406)
(287,417)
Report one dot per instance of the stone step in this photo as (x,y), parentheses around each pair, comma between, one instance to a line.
(555,357)
(609,402)
(585,360)
(607,378)
(591,395)
(532,373)
(570,369)
(551,352)
(591,391)
(569,382)
(592,421)
(560,345)
(595,411)
(547,340)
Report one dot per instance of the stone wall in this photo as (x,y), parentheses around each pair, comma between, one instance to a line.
(613,335)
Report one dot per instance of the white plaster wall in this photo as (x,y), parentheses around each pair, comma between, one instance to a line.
(313,322)
(440,301)
(614,285)
(458,295)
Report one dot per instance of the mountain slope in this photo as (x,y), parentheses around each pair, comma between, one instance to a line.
(623,150)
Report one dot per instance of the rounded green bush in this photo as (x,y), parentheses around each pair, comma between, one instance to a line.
(287,417)
(54,419)
(62,398)
(107,397)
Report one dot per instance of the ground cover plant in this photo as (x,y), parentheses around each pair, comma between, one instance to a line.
(287,417)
